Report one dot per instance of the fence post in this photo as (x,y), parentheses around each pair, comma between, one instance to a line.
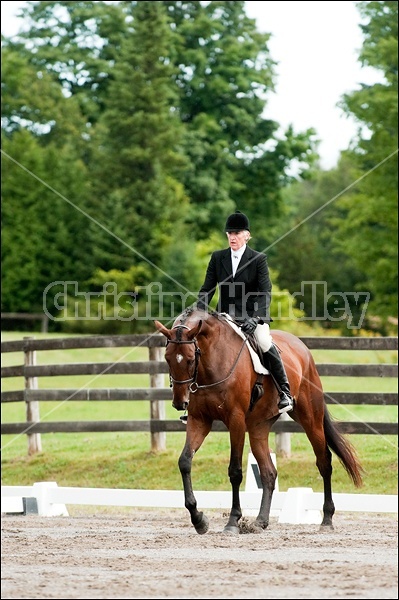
(283,440)
(157,407)
(45,324)
(32,408)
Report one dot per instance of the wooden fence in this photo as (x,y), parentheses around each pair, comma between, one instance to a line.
(156,393)
(42,317)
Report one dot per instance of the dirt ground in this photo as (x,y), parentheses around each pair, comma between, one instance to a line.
(154,554)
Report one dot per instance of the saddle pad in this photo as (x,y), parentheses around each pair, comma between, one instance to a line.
(258,367)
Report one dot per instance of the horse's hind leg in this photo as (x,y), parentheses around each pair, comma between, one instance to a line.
(195,435)
(324,464)
(310,414)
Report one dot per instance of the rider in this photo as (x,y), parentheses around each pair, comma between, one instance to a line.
(242,275)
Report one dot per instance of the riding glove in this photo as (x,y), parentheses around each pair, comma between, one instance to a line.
(249,325)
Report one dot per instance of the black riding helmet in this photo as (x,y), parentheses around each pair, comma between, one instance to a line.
(237,222)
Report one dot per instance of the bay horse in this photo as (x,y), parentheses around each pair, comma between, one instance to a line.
(212,376)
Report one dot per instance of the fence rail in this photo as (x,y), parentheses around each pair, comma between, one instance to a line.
(170,426)
(42,317)
(150,367)
(114,394)
(156,394)
(158,340)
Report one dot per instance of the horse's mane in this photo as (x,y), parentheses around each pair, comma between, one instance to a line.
(194,309)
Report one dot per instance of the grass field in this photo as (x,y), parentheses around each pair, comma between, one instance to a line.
(124,460)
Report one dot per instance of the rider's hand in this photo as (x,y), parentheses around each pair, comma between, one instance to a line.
(249,325)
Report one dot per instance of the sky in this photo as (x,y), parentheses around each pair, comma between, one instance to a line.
(316,47)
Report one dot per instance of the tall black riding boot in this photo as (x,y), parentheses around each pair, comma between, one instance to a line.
(274,364)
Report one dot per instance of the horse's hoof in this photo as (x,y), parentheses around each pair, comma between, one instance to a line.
(203,526)
(247,526)
(258,527)
(231,530)
(326,527)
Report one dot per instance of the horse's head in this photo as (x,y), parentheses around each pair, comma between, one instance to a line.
(182,355)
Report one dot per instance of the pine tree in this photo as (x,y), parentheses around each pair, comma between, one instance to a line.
(139,137)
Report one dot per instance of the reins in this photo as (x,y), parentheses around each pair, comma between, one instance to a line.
(194,387)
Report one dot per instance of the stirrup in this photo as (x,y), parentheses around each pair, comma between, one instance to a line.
(286,404)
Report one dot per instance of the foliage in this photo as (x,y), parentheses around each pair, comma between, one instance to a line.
(160,104)
(323,279)
(43,240)
(226,73)
(139,154)
(109,306)
(368,231)
(336,243)
(130,130)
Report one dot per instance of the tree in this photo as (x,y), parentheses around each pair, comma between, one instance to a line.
(322,276)
(225,75)
(77,43)
(136,169)
(44,186)
(368,233)
(44,237)
(160,105)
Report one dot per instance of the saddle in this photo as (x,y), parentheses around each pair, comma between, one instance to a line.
(258,390)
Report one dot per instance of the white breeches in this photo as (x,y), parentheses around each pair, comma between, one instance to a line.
(263,336)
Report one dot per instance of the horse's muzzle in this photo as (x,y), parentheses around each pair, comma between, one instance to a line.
(180,405)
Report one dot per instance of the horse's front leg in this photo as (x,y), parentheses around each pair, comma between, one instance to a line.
(196,433)
(237,440)
(268,475)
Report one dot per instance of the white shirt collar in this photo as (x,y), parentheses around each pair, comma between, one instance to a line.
(238,252)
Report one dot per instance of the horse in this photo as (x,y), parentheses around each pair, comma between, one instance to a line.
(212,375)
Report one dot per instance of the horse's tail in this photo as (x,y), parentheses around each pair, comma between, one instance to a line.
(343,449)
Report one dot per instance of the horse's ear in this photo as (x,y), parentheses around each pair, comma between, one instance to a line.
(162,329)
(195,330)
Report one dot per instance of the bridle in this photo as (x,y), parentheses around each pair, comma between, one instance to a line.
(197,354)
(194,387)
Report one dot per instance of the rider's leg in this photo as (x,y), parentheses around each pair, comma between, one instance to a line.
(274,364)
(272,361)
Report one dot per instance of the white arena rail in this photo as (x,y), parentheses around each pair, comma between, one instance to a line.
(297,505)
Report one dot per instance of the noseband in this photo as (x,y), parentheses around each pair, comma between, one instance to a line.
(193,387)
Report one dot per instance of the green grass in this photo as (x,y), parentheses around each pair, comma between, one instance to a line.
(124,460)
